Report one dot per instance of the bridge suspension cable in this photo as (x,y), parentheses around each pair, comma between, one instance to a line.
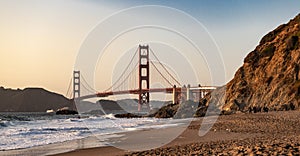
(69,88)
(161,74)
(163,67)
(121,76)
(87,87)
(126,78)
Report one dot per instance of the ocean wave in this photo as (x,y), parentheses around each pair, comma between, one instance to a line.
(74,120)
(14,118)
(49,130)
(6,123)
(3,124)
(109,116)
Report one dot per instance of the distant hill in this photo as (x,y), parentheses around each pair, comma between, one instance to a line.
(31,100)
(270,74)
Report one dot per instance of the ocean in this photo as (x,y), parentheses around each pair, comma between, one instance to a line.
(27,130)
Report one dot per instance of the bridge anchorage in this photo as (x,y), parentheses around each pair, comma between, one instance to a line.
(143,65)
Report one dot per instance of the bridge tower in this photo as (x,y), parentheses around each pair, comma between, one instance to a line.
(144,83)
(76,84)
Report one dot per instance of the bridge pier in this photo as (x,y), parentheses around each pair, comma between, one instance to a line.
(188,92)
(175,95)
(199,93)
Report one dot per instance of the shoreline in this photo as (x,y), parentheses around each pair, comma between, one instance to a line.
(188,136)
(90,142)
(58,147)
(248,133)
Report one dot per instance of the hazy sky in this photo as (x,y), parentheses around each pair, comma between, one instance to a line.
(40,39)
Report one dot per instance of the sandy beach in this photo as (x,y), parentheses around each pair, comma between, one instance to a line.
(239,134)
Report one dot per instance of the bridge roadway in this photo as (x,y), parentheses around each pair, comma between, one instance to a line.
(152,90)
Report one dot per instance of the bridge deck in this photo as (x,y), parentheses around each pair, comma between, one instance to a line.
(152,90)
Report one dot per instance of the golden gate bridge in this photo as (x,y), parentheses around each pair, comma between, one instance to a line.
(137,76)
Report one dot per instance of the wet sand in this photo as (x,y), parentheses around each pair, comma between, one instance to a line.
(273,133)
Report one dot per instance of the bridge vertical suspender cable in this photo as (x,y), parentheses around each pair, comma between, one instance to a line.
(127,67)
(69,87)
(164,67)
(88,86)
(126,77)
(161,74)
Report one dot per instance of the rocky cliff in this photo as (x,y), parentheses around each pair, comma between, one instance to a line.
(31,100)
(270,74)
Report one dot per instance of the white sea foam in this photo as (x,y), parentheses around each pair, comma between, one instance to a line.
(25,134)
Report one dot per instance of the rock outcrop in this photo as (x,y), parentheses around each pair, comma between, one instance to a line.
(31,100)
(270,74)
(66,111)
(186,109)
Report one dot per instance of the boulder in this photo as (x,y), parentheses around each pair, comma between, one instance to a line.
(66,111)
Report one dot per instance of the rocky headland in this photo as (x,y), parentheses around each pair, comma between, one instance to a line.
(269,76)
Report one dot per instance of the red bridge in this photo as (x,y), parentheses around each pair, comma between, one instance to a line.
(143,89)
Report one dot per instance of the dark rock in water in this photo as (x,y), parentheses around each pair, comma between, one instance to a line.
(128,115)
(167,111)
(153,110)
(66,111)
(187,109)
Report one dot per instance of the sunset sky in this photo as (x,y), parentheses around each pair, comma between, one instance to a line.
(40,39)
